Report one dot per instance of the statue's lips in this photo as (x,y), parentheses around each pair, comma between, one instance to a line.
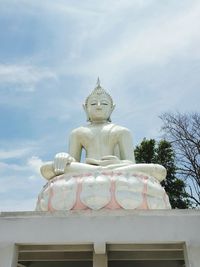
(99,113)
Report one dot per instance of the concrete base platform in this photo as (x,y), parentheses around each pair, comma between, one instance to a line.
(168,238)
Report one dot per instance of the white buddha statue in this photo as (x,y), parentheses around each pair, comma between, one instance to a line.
(109,178)
(107,145)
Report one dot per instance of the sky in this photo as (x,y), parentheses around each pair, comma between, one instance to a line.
(146,53)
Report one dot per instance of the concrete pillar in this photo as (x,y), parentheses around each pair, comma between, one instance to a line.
(192,256)
(100,260)
(8,256)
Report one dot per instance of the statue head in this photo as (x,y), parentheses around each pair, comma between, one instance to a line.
(98,105)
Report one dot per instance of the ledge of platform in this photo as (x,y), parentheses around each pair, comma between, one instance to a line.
(100,213)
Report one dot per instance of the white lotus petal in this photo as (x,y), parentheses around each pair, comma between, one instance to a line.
(128,192)
(96,192)
(64,194)
(155,195)
(155,202)
(43,201)
(154,188)
(168,205)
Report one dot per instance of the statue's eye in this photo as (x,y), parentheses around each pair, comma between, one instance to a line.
(104,103)
(93,104)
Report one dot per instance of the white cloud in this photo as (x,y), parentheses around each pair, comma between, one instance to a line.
(34,163)
(157,43)
(60,7)
(21,160)
(14,153)
(20,184)
(8,167)
(30,168)
(158,40)
(24,77)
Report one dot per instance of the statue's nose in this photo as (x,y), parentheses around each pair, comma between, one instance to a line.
(99,107)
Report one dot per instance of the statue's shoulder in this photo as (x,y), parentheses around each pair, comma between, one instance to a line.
(79,131)
(120,129)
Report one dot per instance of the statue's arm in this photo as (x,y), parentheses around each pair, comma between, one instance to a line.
(75,146)
(126,145)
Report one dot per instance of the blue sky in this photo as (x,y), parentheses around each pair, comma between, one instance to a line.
(146,53)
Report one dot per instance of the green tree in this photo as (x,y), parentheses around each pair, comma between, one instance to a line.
(150,151)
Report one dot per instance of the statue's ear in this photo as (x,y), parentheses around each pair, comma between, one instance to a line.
(84,107)
(86,112)
(113,107)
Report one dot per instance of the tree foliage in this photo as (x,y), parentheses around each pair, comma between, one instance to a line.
(183,132)
(150,151)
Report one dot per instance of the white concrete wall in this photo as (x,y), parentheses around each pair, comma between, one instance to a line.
(8,255)
(160,226)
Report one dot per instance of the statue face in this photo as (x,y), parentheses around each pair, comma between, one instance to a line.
(99,108)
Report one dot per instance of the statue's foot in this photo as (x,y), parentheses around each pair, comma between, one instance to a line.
(155,170)
(159,172)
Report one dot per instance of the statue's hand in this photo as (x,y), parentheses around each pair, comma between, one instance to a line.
(109,160)
(60,161)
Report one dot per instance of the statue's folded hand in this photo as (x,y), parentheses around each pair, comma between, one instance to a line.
(60,161)
(109,160)
(104,161)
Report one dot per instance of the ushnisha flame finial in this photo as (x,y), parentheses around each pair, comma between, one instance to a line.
(98,82)
(98,90)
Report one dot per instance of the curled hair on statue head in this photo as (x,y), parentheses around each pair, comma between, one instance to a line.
(98,90)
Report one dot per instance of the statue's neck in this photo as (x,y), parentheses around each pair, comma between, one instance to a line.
(95,123)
